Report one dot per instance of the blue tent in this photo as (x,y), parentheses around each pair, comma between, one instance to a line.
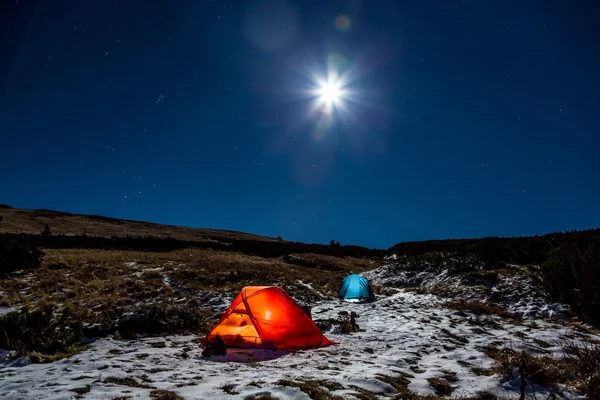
(355,288)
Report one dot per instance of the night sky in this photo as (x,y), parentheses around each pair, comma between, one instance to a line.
(454,118)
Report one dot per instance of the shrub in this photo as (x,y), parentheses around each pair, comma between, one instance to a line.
(15,256)
(160,318)
(485,277)
(46,231)
(48,332)
(543,371)
(580,368)
(441,386)
(572,275)
(164,395)
(44,330)
(586,362)
(315,389)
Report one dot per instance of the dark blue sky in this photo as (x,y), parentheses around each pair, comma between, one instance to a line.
(460,119)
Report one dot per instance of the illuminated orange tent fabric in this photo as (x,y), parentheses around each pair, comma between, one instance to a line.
(266,317)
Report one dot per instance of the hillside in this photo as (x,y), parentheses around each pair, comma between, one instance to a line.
(62,223)
(492,250)
(97,232)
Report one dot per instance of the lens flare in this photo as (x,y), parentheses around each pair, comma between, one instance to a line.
(342,23)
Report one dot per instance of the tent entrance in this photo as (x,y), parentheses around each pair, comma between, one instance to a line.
(238,330)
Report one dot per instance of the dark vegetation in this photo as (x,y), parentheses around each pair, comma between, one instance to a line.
(441,386)
(154,244)
(569,263)
(494,250)
(50,332)
(315,389)
(572,275)
(164,395)
(15,255)
(125,381)
(580,368)
(345,321)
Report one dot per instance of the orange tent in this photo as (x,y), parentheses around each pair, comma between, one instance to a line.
(266,317)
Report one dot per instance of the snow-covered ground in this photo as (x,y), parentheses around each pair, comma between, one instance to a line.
(515,289)
(404,332)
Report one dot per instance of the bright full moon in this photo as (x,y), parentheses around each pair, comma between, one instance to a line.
(330,92)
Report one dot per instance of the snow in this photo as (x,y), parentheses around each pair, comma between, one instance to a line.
(516,291)
(6,310)
(400,333)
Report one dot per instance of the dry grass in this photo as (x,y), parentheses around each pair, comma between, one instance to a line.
(229,388)
(545,371)
(126,382)
(331,263)
(159,291)
(586,365)
(321,389)
(454,336)
(441,386)
(33,221)
(93,278)
(479,396)
(583,327)
(262,397)
(164,395)
(580,368)
(315,389)
(450,376)
(399,382)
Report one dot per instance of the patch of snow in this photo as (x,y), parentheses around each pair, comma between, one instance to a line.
(307,285)
(218,302)
(6,310)
(402,333)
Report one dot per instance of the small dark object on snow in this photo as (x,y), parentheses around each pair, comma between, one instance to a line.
(216,349)
(306,310)
(353,317)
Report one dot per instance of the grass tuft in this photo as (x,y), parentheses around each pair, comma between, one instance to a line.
(454,336)
(315,389)
(441,386)
(164,395)
(229,388)
(126,381)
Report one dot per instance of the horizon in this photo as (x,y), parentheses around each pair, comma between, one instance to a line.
(356,122)
(4,205)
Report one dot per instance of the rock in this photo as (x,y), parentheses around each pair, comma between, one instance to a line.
(306,310)
(353,317)
(216,349)
(19,362)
